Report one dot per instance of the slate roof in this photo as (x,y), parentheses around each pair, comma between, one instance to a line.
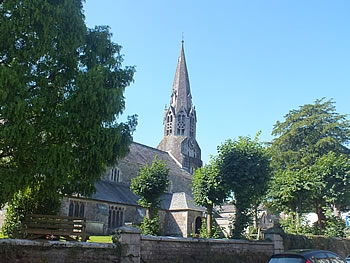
(179,201)
(114,193)
(140,155)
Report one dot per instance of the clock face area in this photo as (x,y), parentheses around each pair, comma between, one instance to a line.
(191,143)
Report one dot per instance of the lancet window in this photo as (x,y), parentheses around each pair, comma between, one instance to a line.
(169,124)
(181,123)
(115,174)
(115,217)
(76,209)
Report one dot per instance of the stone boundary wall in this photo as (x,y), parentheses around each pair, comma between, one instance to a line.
(29,251)
(168,249)
(132,247)
(337,245)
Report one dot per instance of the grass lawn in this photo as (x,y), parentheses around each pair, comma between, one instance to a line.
(100,239)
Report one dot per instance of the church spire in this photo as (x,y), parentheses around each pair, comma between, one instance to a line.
(180,120)
(181,93)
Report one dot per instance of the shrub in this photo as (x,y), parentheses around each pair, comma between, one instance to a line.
(150,227)
(24,203)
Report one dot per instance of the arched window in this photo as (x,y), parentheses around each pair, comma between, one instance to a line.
(115,217)
(169,124)
(71,209)
(198,225)
(81,210)
(181,117)
(115,174)
(76,209)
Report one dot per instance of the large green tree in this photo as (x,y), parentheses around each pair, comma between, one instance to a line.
(61,93)
(245,166)
(208,190)
(311,160)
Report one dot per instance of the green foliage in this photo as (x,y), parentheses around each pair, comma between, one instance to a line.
(208,186)
(297,225)
(30,201)
(216,232)
(310,160)
(61,93)
(150,227)
(244,165)
(331,179)
(151,182)
(334,226)
(208,190)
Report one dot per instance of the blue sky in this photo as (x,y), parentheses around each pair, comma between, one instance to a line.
(249,62)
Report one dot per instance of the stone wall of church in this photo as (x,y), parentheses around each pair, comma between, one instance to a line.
(97,214)
(178,223)
(128,171)
(181,218)
(173,223)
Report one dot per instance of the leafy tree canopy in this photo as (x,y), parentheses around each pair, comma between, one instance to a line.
(308,133)
(208,189)
(245,166)
(151,182)
(61,93)
(311,159)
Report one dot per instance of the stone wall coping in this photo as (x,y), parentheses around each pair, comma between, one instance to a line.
(202,240)
(58,244)
(129,229)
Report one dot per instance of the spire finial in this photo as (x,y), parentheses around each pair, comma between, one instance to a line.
(183,38)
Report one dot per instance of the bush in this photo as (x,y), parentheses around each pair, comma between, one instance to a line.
(24,203)
(150,227)
(216,231)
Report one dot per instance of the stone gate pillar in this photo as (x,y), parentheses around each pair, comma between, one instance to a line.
(129,241)
(275,234)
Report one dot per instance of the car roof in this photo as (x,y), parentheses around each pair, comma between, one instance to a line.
(303,252)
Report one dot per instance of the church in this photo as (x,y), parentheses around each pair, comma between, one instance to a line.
(114,204)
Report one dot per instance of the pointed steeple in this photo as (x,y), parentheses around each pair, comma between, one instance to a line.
(180,121)
(181,92)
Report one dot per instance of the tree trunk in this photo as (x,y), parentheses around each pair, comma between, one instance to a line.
(210,220)
(321,218)
(149,213)
(256,220)
(297,220)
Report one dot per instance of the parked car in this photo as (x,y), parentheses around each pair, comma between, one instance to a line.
(307,256)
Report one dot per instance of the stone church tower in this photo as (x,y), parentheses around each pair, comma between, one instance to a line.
(180,121)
